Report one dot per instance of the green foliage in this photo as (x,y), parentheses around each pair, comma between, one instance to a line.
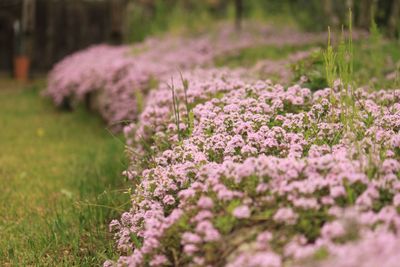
(233,205)
(313,68)
(311,15)
(139,100)
(354,191)
(321,254)
(175,108)
(397,76)
(225,223)
(367,61)
(385,198)
(330,62)
(159,16)
(189,118)
(172,239)
(310,223)
(339,63)
(375,44)
(136,240)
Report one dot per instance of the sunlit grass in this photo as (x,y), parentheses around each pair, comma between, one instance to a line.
(60,183)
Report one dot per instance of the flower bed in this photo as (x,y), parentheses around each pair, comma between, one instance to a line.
(115,76)
(233,171)
(260,175)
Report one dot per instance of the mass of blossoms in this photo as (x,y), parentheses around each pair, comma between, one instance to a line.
(232,170)
(235,172)
(113,79)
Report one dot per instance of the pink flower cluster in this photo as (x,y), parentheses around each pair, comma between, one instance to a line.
(156,125)
(114,76)
(102,70)
(267,176)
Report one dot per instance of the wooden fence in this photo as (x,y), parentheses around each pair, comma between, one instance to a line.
(48,30)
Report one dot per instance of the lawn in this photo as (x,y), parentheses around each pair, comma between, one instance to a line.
(60,182)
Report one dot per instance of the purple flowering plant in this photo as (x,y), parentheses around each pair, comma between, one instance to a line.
(263,159)
(231,170)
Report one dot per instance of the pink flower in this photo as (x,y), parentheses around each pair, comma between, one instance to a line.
(189,237)
(205,203)
(241,212)
(337,191)
(169,200)
(396,200)
(190,249)
(158,260)
(332,230)
(285,215)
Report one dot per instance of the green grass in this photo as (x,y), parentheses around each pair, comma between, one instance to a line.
(368,68)
(250,56)
(60,183)
(370,62)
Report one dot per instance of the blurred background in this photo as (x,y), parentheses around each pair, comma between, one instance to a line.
(34,34)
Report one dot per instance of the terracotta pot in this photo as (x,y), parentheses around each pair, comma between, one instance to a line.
(21,68)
